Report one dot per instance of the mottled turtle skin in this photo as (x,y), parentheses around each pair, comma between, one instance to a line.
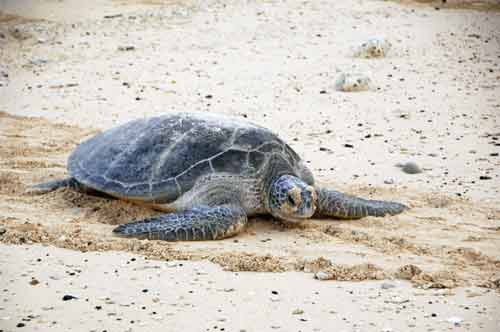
(208,172)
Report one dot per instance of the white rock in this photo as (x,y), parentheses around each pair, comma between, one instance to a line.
(375,47)
(353,82)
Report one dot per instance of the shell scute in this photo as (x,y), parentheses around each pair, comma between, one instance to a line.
(232,161)
(187,179)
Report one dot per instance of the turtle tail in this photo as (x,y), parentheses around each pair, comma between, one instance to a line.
(336,204)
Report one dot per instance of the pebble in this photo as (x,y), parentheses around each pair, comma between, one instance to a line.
(410,168)
(69,297)
(389,181)
(126,48)
(455,320)
(297,312)
(387,285)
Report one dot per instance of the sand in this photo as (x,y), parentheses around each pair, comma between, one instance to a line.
(68,72)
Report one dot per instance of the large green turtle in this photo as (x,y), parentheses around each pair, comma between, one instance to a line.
(208,173)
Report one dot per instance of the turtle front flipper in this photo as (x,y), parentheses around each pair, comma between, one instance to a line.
(336,204)
(199,223)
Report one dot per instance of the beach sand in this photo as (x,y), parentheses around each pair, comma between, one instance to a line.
(68,71)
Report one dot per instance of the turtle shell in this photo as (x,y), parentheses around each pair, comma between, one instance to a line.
(158,159)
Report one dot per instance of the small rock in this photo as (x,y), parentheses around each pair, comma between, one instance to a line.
(2,231)
(410,168)
(389,181)
(297,312)
(69,297)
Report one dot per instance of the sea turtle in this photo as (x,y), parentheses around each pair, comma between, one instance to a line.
(209,173)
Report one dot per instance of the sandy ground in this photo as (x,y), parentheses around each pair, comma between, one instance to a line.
(68,71)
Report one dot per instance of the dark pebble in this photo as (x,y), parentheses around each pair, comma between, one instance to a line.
(98,307)
(209,96)
(144,290)
(274,292)
(348,145)
(113,16)
(20,325)
(322,92)
(410,168)
(485,177)
(69,297)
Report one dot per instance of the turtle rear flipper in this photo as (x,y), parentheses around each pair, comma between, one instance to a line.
(336,204)
(46,187)
(199,223)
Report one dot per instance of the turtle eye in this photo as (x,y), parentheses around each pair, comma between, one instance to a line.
(291,201)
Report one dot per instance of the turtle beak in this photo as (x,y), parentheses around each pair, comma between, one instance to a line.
(314,197)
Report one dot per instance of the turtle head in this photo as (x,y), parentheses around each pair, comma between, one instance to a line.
(291,199)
